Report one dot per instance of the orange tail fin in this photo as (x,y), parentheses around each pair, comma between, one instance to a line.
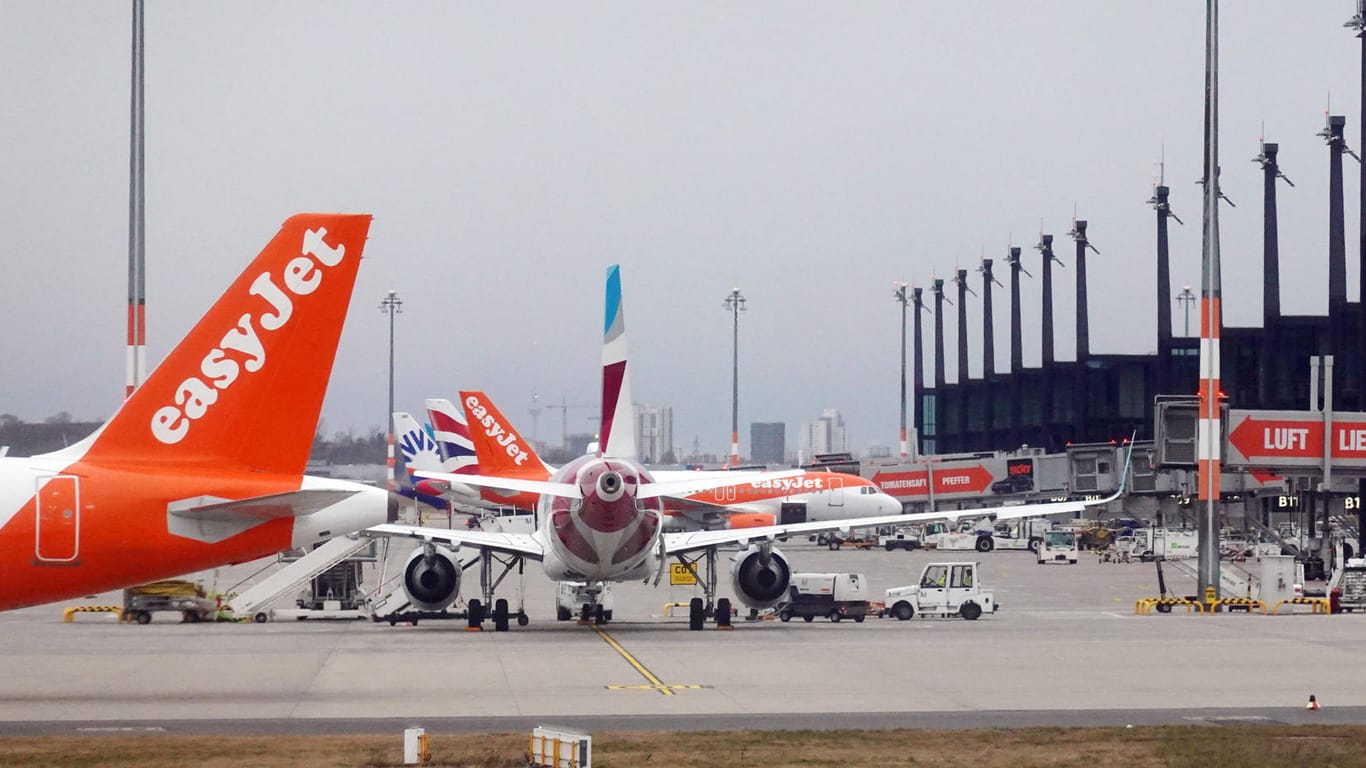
(245,387)
(499,449)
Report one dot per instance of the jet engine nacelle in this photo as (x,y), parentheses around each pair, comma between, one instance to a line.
(760,579)
(431,578)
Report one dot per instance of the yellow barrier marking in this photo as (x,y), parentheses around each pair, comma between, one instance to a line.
(655,683)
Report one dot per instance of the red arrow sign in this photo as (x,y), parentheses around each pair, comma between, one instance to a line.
(957,480)
(1296,439)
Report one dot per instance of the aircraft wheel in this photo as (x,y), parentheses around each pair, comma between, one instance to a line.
(522,619)
(723,612)
(697,614)
(500,615)
(903,611)
(599,615)
(475,612)
(563,614)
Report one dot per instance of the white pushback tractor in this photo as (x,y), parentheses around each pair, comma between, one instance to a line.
(944,589)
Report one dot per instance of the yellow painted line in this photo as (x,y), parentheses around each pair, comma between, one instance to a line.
(655,683)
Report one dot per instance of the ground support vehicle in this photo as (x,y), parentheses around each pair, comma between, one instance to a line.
(572,598)
(183,597)
(1351,586)
(855,540)
(1025,534)
(900,539)
(1058,546)
(835,596)
(944,589)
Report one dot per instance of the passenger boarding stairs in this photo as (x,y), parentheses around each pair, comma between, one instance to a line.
(1233,581)
(251,602)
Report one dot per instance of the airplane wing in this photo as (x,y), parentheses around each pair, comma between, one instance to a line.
(566,490)
(523,544)
(678,543)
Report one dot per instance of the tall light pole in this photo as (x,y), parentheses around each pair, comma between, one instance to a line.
(1209,442)
(735,304)
(137,280)
(899,294)
(1187,299)
(391,305)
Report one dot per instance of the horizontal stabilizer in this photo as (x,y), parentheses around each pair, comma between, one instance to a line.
(566,490)
(705,481)
(291,504)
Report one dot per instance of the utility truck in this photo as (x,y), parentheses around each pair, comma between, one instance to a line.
(833,595)
(572,598)
(1059,546)
(944,589)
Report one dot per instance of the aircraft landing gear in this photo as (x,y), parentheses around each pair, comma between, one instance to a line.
(488,584)
(706,606)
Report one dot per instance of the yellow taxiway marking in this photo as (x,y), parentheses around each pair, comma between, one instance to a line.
(655,683)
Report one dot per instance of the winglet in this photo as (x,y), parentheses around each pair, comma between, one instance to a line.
(618,433)
(245,386)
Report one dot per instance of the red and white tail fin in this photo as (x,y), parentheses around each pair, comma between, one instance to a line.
(499,448)
(245,387)
(452,434)
(617,438)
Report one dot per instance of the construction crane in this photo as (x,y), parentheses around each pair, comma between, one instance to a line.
(564,417)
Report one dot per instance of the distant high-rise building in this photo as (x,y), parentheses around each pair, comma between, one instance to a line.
(767,442)
(654,434)
(825,435)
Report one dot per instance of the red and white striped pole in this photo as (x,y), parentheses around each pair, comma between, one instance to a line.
(1209,440)
(137,288)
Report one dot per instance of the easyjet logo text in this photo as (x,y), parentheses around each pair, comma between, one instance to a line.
(791,484)
(495,431)
(243,345)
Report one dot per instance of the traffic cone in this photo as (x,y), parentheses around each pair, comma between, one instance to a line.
(1313,703)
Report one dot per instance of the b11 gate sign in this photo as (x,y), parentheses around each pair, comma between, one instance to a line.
(1294,439)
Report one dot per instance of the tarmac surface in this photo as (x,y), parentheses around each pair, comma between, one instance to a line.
(1066,649)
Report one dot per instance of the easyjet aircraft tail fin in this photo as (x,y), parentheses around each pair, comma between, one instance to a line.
(617,438)
(500,449)
(244,388)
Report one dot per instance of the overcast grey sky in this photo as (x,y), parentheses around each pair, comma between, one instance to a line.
(809,153)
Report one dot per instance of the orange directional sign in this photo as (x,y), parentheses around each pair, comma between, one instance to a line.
(1294,439)
(974,479)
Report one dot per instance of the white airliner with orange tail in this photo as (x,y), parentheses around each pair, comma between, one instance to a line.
(601,519)
(203,465)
